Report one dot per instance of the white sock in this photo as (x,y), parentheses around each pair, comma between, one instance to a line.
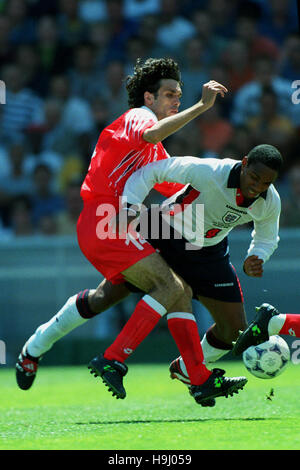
(211,354)
(276,323)
(62,323)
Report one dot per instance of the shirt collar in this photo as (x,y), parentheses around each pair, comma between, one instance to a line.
(234,179)
(150,110)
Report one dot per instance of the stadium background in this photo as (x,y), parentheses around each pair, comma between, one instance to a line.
(63,64)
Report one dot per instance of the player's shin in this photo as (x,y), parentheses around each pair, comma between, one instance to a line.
(211,352)
(67,319)
(183,328)
(144,318)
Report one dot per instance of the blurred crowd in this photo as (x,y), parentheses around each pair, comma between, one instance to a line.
(64,64)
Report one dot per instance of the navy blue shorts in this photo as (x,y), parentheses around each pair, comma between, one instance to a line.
(208,271)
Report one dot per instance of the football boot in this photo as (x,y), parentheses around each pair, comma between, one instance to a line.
(26,369)
(217,385)
(257,331)
(111,373)
(177,373)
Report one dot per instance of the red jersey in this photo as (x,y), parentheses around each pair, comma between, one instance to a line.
(119,152)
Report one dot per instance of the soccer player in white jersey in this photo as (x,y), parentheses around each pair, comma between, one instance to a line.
(130,142)
(233,193)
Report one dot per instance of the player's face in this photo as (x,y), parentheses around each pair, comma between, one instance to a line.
(166,101)
(255,179)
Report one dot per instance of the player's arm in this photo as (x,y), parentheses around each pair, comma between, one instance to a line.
(264,242)
(169,125)
(184,170)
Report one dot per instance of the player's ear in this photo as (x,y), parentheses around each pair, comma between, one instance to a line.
(148,98)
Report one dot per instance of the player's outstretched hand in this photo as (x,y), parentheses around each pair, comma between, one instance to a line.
(253,266)
(210,90)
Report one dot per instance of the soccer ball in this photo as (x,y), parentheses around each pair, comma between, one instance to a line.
(269,359)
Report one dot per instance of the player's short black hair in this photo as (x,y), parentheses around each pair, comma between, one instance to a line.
(266,154)
(147,76)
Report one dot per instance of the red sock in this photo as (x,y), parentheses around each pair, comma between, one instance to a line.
(146,315)
(183,328)
(291,325)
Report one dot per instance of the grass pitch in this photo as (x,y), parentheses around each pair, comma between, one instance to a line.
(67,408)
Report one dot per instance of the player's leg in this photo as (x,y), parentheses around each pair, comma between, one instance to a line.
(163,287)
(228,385)
(229,319)
(205,384)
(138,263)
(75,312)
(267,322)
(224,301)
(184,330)
(192,266)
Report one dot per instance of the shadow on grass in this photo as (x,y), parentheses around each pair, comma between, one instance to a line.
(192,420)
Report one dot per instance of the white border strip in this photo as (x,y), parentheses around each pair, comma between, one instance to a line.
(183,315)
(155,305)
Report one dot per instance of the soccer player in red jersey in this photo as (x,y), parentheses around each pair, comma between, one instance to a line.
(132,141)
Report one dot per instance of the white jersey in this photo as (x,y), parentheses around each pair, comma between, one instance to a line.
(214,184)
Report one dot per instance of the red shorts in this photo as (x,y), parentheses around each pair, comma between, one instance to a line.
(109,256)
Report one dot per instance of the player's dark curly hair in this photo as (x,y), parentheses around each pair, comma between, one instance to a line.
(266,154)
(147,76)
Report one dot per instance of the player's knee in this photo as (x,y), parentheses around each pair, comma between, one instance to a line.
(181,298)
(177,287)
(168,290)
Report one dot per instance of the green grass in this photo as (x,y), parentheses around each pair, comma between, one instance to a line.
(68,408)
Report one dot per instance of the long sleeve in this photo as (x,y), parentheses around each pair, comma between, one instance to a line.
(183,170)
(265,236)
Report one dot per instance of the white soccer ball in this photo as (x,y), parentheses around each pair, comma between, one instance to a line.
(269,359)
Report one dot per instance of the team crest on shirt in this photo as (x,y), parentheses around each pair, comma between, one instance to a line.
(230,217)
